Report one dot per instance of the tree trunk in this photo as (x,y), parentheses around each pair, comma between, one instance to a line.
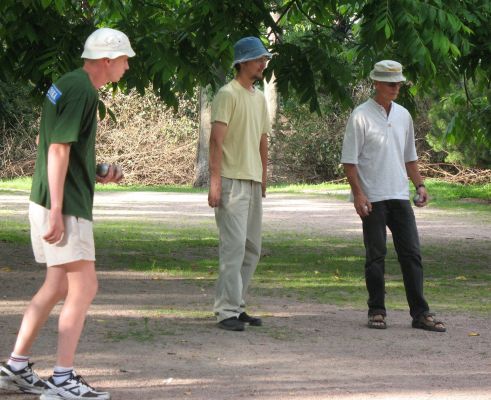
(201,178)
(271,94)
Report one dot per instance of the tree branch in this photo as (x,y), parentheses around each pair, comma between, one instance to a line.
(467,93)
(299,6)
(273,31)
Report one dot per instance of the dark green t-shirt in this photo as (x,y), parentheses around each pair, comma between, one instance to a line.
(69,116)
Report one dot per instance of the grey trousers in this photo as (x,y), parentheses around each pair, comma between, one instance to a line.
(239,221)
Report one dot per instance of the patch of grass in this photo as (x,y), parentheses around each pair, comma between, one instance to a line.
(284,334)
(459,197)
(325,269)
(325,187)
(449,196)
(328,270)
(14,230)
(180,313)
(141,330)
(314,268)
(23,183)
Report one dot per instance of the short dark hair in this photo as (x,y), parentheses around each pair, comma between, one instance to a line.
(237,67)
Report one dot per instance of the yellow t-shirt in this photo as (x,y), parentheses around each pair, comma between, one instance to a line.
(246,115)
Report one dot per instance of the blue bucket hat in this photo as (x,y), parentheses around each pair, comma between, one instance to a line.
(249,48)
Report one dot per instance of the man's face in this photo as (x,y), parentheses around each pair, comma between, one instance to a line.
(254,68)
(387,90)
(117,67)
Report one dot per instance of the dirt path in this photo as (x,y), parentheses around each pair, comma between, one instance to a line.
(304,351)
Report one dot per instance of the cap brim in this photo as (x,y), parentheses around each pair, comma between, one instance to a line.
(95,55)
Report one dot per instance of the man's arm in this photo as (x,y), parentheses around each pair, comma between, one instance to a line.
(412,170)
(217,135)
(58,157)
(362,206)
(263,150)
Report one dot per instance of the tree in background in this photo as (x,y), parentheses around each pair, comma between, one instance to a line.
(323,46)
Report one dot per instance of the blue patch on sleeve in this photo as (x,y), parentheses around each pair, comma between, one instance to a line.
(53,94)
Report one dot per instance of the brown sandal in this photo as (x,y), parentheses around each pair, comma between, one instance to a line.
(377,321)
(427,322)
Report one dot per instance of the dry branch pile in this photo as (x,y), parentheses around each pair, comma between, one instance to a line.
(153,144)
(156,146)
(454,173)
(17,151)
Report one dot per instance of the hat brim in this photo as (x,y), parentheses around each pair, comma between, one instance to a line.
(251,57)
(387,76)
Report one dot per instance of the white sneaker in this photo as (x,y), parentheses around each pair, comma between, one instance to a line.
(74,387)
(24,380)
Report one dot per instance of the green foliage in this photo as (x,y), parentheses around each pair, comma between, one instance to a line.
(321,47)
(39,41)
(306,147)
(462,126)
(17,108)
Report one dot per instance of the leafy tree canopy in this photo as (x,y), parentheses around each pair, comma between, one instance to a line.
(320,46)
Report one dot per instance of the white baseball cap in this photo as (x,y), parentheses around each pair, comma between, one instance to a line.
(387,71)
(107,43)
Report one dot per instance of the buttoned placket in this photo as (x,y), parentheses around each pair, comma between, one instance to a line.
(387,117)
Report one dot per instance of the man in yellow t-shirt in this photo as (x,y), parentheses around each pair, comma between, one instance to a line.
(238,162)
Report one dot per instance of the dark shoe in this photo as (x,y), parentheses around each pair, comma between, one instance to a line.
(231,324)
(252,321)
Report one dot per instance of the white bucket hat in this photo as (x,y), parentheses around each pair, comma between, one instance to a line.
(387,71)
(249,48)
(107,43)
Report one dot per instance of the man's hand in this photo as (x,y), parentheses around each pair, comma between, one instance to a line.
(215,192)
(56,227)
(423,197)
(114,175)
(362,206)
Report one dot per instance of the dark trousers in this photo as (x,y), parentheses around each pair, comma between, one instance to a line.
(398,215)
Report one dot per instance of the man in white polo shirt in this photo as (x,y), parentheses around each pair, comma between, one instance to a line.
(378,155)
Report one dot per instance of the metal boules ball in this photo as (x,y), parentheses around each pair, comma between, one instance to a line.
(102,169)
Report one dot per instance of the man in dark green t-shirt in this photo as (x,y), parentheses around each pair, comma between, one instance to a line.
(60,214)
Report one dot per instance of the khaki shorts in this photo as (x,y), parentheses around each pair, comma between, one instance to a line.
(77,242)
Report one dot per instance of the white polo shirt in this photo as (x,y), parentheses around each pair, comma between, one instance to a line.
(380,145)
